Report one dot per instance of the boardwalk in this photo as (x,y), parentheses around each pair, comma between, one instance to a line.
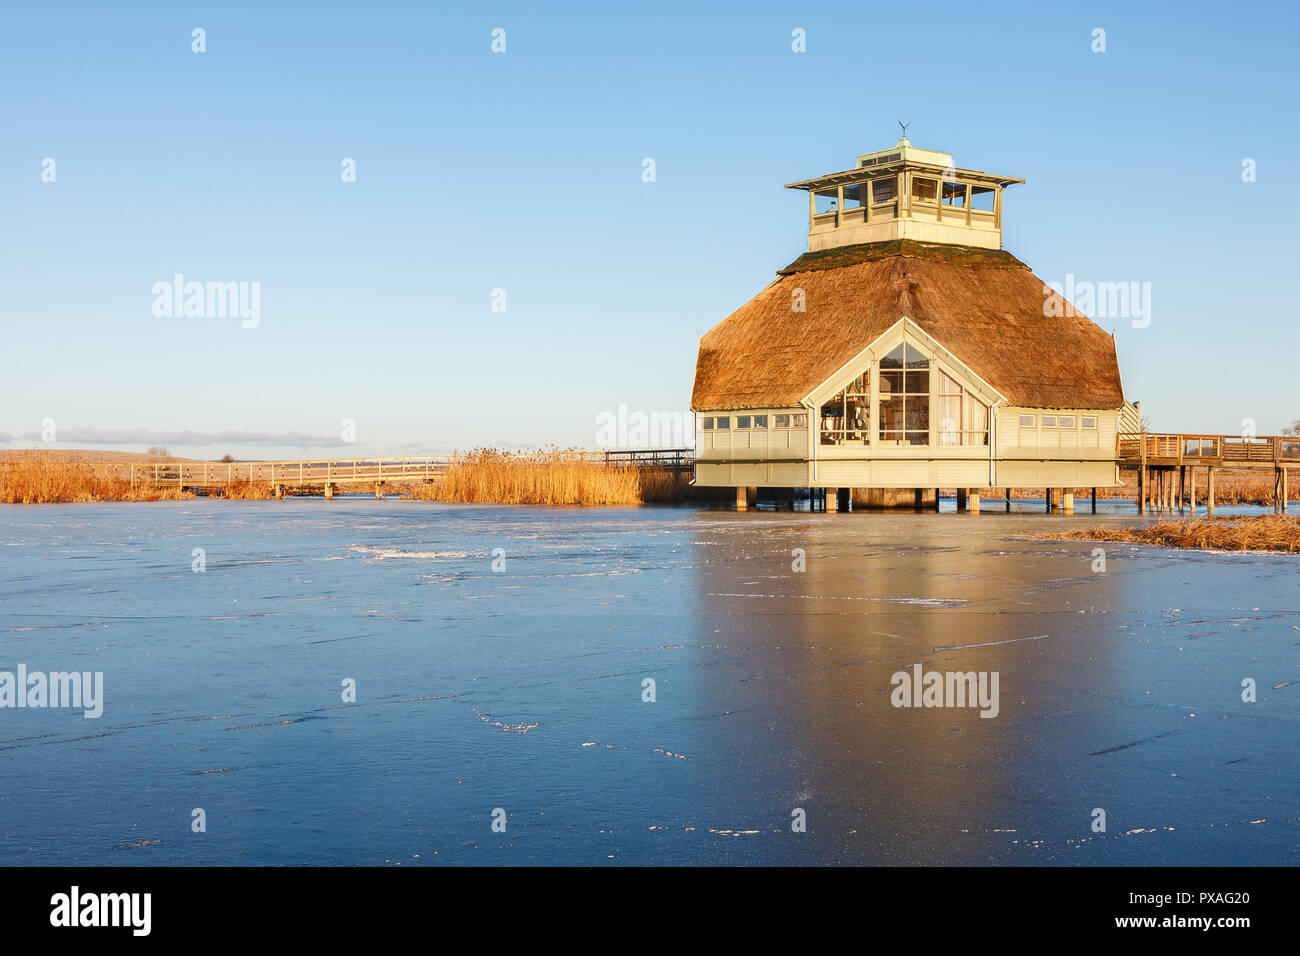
(1166,464)
(327,474)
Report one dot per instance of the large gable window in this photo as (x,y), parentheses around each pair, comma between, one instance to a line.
(846,417)
(963,418)
(905,397)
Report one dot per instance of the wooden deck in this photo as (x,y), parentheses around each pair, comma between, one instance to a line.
(1166,464)
(1167,450)
(329,473)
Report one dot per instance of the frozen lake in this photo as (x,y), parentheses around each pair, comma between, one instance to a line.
(522,689)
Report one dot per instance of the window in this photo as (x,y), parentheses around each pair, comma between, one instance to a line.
(760,421)
(723,422)
(1049,421)
(1089,421)
(742,421)
(1026,421)
(954,194)
(963,418)
(884,190)
(1067,421)
(824,200)
(800,421)
(782,421)
(982,198)
(853,195)
(846,418)
(708,423)
(905,397)
(923,190)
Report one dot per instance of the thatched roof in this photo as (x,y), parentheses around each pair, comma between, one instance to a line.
(984,306)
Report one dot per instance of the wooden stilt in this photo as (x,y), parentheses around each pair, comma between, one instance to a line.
(1094,500)
(1209,491)
(1191,489)
(1142,490)
(1182,486)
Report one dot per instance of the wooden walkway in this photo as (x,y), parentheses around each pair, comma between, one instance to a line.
(327,474)
(1160,458)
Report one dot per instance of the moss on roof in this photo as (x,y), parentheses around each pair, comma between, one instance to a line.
(874,251)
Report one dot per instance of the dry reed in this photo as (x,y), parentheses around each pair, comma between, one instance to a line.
(550,477)
(42,477)
(1254,533)
(248,490)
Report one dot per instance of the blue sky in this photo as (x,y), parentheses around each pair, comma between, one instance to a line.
(522,171)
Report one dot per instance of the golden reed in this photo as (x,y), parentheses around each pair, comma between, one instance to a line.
(1254,533)
(551,477)
(42,477)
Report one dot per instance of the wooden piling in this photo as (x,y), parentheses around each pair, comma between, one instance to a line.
(1209,491)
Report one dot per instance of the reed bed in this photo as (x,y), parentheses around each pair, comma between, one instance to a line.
(248,490)
(1254,533)
(43,477)
(550,477)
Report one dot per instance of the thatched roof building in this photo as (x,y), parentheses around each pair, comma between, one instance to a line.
(984,306)
(907,350)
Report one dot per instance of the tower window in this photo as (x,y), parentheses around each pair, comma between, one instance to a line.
(982,198)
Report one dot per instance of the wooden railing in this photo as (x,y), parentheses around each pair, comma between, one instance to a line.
(320,471)
(1196,449)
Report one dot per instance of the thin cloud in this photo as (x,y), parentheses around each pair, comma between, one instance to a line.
(143,436)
